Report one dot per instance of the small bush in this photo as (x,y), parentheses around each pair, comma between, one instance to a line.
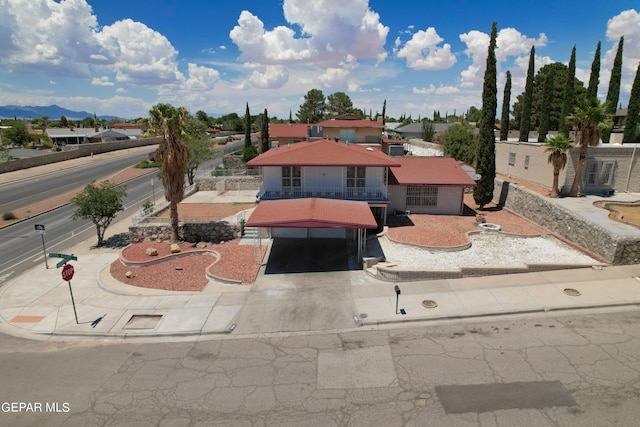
(146,164)
(8,216)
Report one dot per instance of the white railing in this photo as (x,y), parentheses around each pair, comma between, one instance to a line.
(148,215)
(341,193)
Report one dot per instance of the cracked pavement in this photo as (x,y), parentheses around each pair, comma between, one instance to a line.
(374,377)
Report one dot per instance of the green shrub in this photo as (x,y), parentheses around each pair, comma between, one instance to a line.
(145,164)
(8,216)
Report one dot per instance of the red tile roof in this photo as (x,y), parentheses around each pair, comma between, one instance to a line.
(323,152)
(312,213)
(437,171)
(334,123)
(284,130)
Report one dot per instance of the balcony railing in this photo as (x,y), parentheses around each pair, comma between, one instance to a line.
(369,194)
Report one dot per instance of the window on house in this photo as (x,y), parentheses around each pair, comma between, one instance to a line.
(356,177)
(291,176)
(526,162)
(607,173)
(592,173)
(600,172)
(422,196)
(512,159)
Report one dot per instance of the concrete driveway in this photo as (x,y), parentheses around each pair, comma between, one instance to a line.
(298,302)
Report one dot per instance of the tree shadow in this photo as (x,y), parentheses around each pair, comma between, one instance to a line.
(117,241)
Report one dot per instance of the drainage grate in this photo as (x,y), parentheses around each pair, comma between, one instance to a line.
(143,321)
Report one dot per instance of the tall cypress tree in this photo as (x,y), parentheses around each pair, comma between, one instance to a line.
(384,112)
(594,78)
(525,120)
(506,102)
(264,133)
(569,92)
(547,96)
(631,133)
(486,163)
(613,94)
(247,127)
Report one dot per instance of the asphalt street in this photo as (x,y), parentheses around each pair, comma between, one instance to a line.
(571,371)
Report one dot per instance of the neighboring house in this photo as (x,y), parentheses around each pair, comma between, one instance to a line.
(352,130)
(430,185)
(414,130)
(288,133)
(323,169)
(619,120)
(73,135)
(609,168)
(124,126)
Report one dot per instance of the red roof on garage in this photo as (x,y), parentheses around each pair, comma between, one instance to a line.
(432,171)
(312,213)
(323,152)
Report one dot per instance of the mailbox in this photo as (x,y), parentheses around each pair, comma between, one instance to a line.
(397,288)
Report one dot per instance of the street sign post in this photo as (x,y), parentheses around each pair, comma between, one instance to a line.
(67,274)
(65,258)
(41,231)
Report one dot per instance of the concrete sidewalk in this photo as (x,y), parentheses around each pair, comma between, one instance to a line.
(37,305)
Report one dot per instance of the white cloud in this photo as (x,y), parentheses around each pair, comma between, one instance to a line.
(441,90)
(64,38)
(201,78)
(101,81)
(627,24)
(331,30)
(141,56)
(423,53)
(425,90)
(273,77)
(47,36)
(510,42)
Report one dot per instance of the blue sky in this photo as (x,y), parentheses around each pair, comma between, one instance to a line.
(121,57)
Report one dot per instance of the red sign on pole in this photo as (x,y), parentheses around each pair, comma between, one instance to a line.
(67,272)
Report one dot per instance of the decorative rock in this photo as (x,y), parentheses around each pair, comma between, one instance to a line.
(152,252)
(175,248)
(201,245)
(129,275)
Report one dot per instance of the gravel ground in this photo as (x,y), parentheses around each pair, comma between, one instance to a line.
(237,263)
(487,249)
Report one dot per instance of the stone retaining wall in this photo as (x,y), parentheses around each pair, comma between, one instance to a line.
(234,182)
(392,274)
(82,150)
(216,232)
(617,250)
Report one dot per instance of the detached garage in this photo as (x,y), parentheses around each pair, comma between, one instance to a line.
(430,185)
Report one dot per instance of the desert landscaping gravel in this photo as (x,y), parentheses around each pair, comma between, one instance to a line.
(487,249)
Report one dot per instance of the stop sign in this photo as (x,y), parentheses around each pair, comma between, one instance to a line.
(67,272)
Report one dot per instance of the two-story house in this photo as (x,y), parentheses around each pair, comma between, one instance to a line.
(336,189)
(323,188)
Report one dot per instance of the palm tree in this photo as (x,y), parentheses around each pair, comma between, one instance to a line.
(557,146)
(590,119)
(173,153)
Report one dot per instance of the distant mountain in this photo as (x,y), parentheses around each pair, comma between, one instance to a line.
(54,112)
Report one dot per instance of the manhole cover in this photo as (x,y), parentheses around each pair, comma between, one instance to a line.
(572,292)
(143,321)
(363,315)
(429,303)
